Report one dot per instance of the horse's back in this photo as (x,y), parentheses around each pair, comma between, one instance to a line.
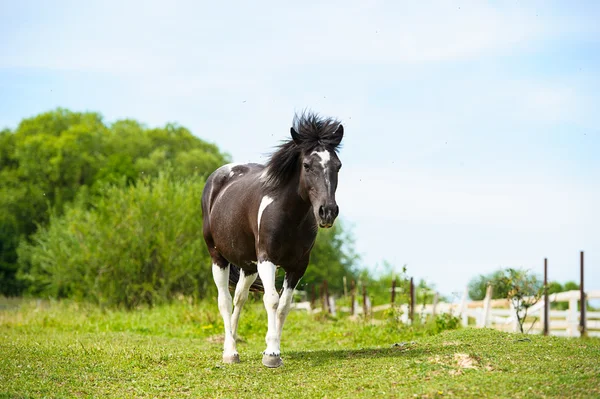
(224,177)
(231,195)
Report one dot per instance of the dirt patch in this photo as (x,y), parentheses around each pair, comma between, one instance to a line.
(451,343)
(465,361)
(458,362)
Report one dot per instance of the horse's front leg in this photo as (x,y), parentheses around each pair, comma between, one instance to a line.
(272,354)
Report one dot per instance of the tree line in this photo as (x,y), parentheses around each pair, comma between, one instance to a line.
(111,212)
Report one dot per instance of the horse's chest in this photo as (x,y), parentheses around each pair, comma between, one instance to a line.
(288,244)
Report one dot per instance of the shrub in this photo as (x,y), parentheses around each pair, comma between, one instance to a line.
(446,321)
(525,290)
(134,245)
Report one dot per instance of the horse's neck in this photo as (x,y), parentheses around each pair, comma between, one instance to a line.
(291,197)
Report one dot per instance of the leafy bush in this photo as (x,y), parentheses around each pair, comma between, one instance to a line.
(137,244)
(446,321)
(49,158)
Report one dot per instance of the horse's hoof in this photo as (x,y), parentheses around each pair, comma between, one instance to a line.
(231,359)
(272,361)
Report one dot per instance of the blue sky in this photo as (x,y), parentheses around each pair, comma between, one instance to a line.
(472,128)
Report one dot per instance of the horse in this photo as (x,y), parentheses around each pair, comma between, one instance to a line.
(259,217)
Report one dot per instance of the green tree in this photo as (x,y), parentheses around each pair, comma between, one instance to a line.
(571,286)
(524,291)
(49,158)
(478,285)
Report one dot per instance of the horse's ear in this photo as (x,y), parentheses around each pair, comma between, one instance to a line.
(338,135)
(295,135)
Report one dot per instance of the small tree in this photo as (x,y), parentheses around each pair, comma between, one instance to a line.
(478,285)
(524,291)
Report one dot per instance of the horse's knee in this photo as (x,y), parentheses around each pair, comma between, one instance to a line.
(240,299)
(271,300)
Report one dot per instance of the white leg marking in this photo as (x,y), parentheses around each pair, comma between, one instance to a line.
(266,200)
(221,277)
(239,299)
(266,270)
(285,302)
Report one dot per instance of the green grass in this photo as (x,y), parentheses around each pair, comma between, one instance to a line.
(75,350)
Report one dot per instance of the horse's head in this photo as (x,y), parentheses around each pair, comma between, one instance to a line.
(319,175)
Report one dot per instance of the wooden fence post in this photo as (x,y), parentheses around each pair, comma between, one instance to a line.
(326,297)
(582,325)
(314,297)
(487,306)
(463,308)
(353,298)
(332,305)
(572,317)
(411,312)
(546,300)
(365,310)
(322,296)
(393,290)
(345,287)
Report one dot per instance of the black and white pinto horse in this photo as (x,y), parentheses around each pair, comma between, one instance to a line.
(257,218)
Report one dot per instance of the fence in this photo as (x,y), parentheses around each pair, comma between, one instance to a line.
(500,314)
(490,313)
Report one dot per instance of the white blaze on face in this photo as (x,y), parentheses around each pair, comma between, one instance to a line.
(325,157)
(266,200)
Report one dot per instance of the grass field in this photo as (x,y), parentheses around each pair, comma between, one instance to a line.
(75,350)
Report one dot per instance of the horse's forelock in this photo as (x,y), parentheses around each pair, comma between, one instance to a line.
(313,132)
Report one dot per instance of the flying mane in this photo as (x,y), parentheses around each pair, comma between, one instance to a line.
(313,132)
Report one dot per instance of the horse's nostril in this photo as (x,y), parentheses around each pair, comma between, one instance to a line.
(321,211)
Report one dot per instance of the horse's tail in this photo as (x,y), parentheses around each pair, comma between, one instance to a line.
(234,276)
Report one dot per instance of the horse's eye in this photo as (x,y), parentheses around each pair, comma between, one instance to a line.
(306,166)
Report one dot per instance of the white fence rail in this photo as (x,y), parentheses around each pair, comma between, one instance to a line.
(501,315)
(498,313)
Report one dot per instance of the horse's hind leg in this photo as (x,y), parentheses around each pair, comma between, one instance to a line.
(285,302)
(221,277)
(239,299)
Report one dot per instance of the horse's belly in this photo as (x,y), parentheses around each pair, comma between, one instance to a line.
(231,234)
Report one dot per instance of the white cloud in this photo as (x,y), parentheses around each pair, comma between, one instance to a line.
(128,37)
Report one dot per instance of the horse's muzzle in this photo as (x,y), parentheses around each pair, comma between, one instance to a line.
(327,215)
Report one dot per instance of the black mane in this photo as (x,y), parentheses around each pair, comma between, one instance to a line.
(313,132)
